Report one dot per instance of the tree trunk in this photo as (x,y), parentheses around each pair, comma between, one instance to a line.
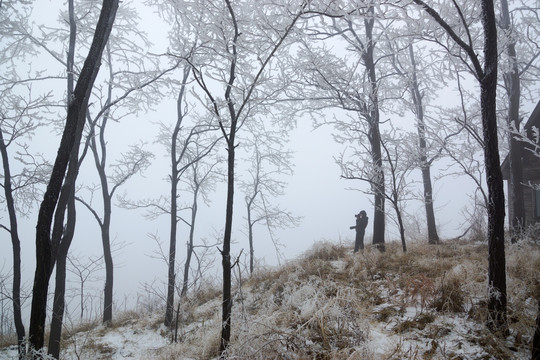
(375,137)
(401,231)
(513,90)
(496,263)
(171,274)
(189,254)
(61,242)
(226,253)
(109,269)
(76,113)
(58,307)
(433,236)
(175,178)
(16,245)
(250,232)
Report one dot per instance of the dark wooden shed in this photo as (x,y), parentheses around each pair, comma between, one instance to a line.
(531,173)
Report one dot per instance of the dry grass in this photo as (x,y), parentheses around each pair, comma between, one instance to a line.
(331,303)
(8,340)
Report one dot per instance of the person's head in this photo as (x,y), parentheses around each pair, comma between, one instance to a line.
(361,214)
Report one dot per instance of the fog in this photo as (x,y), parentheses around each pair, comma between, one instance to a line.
(316,192)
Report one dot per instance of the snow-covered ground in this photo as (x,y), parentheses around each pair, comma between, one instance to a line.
(331,304)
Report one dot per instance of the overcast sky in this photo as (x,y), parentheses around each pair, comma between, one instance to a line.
(315,192)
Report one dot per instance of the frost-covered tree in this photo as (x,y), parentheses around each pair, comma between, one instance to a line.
(519,67)
(69,144)
(348,69)
(22,111)
(239,41)
(268,163)
(420,80)
(485,70)
(133,83)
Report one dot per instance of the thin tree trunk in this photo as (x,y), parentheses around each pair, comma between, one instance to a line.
(226,252)
(16,245)
(250,233)
(401,230)
(171,275)
(175,177)
(76,113)
(109,269)
(67,199)
(497,320)
(226,307)
(189,254)
(433,236)
(105,224)
(513,90)
(375,137)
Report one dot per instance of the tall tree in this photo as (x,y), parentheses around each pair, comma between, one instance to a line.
(412,72)
(21,114)
(200,181)
(515,148)
(187,146)
(356,85)
(268,162)
(132,83)
(19,188)
(371,114)
(63,236)
(133,161)
(485,70)
(73,127)
(241,52)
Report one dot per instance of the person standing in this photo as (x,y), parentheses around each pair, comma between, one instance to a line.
(361,224)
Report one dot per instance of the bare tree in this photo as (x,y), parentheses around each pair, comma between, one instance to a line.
(357,82)
(73,129)
(132,162)
(513,89)
(268,162)
(519,74)
(201,180)
(485,71)
(21,113)
(416,76)
(399,166)
(398,162)
(84,272)
(129,87)
(238,60)
(187,145)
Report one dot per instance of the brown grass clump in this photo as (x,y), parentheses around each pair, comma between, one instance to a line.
(418,322)
(449,295)
(7,340)
(326,251)
(205,293)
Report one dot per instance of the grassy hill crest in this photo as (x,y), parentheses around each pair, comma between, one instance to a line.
(329,303)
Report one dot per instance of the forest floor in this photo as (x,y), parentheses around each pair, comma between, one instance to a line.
(428,303)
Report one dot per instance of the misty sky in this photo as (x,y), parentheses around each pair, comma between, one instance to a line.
(315,192)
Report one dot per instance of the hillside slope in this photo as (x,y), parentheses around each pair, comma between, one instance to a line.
(332,304)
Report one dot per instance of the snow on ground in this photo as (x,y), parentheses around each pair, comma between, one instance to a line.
(331,304)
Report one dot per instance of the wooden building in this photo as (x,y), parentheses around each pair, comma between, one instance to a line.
(531,172)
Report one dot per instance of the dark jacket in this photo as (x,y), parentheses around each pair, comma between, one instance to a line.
(361,224)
